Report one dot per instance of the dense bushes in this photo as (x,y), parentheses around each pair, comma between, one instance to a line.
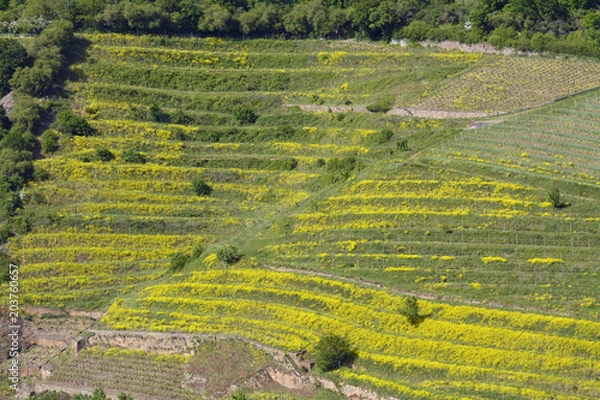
(245,114)
(12,56)
(333,352)
(201,188)
(339,169)
(469,22)
(48,50)
(72,124)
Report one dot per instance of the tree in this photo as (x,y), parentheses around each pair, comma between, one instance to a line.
(201,188)
(216,18)
(12,56)
(333,352)
(307,18)
(262,18)
(4,121)
(25,114)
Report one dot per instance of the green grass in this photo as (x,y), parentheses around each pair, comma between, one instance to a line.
(421,221)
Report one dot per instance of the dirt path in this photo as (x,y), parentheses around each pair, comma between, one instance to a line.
(415,112)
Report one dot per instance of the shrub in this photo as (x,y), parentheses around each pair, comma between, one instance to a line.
(201,188)
(382,106)
(411,310)
(339,169)
(245,114)
(555,198)
(229,255)
(72,124)
(197,252)
(503,36)
(178,261)
(49,142)
(417,30)
(104,154)
(179,117)
(40,174)
(132,156)
(155,114)
(5,260)
(381,137)
(333,352)
(402,145)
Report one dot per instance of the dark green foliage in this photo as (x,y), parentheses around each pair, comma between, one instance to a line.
(245,114)
(417,30)
(179,117)
(556,199)
(12,56)
(49,142)
(178,261)
(18,141)
(411,310)
(402,145)
(40,174)
(201,188)
(333,352)
(48,50)
(381,106)
(339,169)
(5,260)
(4,121)
(104,154)
(70,123)
(155,114)
(124,396)
(380,137)
(197,252)
(229,255)
(25,114)
(134,157)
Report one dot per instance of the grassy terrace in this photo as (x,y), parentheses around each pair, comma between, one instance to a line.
(462,217)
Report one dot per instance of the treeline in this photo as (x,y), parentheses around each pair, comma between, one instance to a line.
(529,24)
(35,74)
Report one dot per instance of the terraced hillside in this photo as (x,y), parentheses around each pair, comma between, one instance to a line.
(338,215)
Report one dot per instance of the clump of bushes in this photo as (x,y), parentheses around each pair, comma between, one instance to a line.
(49,142)
(245,114)
(132,156)
(178,261)
(381,137)
(72,124)
(229,255)
(339,169)
(333,352)
(201,188)
(556,199)
(104,154)
(382,106)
